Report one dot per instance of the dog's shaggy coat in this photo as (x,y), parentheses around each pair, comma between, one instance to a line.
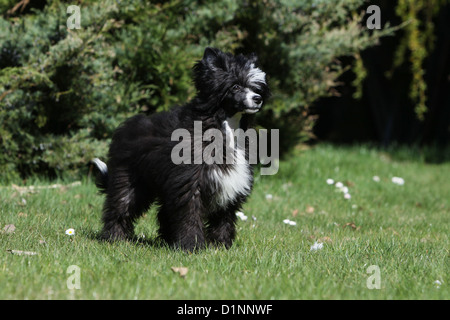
(197,202)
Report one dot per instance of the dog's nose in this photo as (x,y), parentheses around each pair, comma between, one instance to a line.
(257,99)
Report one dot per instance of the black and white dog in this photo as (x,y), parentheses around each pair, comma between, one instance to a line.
(197,201)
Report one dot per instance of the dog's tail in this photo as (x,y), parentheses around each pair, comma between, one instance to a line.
(101,176)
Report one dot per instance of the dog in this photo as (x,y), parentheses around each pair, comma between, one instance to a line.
(197,201)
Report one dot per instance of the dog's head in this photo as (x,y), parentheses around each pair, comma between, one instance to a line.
(234,82)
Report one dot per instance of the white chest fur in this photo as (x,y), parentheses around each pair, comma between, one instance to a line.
(237,180)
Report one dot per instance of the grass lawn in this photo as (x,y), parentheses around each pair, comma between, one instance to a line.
(401,229)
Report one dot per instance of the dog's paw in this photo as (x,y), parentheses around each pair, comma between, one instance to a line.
(114,235)
(190,246)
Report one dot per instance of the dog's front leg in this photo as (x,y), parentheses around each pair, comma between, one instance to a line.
(181,225)
(221,228)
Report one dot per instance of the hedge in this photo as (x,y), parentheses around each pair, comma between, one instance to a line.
(63,92)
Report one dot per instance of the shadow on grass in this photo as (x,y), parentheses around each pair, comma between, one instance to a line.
(151,242)
(155,242)
(433,154)
(428,154)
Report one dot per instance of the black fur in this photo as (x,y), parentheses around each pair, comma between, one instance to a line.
(140,171)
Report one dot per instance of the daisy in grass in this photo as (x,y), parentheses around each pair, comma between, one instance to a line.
(70,232)
(341,187)
(399,181)
(289,222)
(241,216)
(316,246)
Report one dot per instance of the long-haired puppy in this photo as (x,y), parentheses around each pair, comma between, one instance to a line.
(197,201)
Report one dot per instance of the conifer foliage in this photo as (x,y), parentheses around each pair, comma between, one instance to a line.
(63,91)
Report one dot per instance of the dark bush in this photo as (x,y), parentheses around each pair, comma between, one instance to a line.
(62,92)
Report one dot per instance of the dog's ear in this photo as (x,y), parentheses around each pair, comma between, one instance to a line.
(253,58)
(210,56)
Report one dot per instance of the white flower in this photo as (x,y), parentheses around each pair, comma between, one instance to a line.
(289,222)
(437,283)
(330,181)
(347,196)
(241,216)
(376,178)
(339,184)
(269,196)
(344,189)
(316,246)
(70,232)
(398,180)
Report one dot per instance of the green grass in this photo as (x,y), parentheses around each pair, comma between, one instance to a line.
(401,229)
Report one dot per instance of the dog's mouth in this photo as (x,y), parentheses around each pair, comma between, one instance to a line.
(252,110)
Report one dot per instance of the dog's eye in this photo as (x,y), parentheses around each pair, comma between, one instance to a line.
(235,88)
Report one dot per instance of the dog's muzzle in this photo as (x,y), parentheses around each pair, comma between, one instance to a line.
(253,102)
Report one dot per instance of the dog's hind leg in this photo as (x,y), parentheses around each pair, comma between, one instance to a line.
(122,207)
